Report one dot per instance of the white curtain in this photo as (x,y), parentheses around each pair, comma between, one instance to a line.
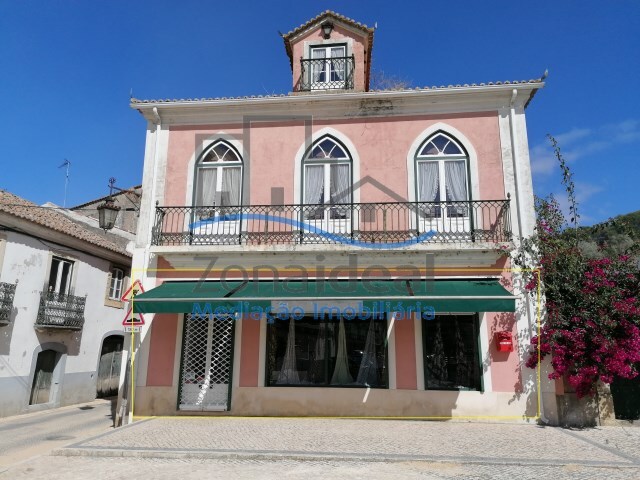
(317,68)
(231,188)
(341,375)
(337,66)
(428,182)
(206,196)
(313,184)
(368,372)
(340,188)
(289,372)
(456,183)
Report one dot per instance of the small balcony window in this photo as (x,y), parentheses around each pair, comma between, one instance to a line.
(60,276)
(328,67)
(58,307)
(115,284)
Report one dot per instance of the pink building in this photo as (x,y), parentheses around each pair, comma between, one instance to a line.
(335,251)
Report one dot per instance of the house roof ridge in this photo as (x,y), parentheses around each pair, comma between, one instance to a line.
(328,13)
(102,199)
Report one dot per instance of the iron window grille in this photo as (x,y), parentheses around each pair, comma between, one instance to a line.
(7,294)
(61,311)
(333,73)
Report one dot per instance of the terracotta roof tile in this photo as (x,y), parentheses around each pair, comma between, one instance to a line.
(322,16)
(48,217)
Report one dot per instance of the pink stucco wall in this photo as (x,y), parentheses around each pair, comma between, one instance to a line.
(381,144)
(315,36)
(406,375)
(162,349)
(250,352)
(505,366)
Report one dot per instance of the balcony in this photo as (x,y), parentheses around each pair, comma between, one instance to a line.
(334,73)
(7,292)
(370,225)
(60,311)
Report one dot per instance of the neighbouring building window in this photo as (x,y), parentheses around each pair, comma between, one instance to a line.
(219,178)
(442,176)
(327,182)
(116,283)
(60,276)
(328,66)
(327,352)
(451,357)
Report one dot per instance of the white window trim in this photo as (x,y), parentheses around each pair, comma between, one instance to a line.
(473,182)
(219,166)
(328,70)
(441,159)
(329,43)
(117,290)
(300,157)
(326,164)
(203,146)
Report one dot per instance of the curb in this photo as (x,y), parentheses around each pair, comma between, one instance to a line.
(248,455)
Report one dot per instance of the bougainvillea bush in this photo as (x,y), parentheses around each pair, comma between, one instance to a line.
(591,327)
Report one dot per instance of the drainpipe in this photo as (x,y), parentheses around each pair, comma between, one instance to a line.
(154,189)
(146,256)
(515,158)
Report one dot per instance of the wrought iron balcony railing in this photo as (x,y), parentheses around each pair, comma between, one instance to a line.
(60,311)
(7,292)
(401,223)
(331,73)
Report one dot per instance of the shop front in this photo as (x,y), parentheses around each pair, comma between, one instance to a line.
(422,348)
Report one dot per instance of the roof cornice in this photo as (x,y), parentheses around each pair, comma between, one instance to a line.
(451,99)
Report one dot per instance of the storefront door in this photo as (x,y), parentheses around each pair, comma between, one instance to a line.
(207,356)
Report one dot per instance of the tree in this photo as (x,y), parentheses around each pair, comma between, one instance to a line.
(591,328)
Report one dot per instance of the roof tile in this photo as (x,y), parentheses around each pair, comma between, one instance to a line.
(48,217)
(137,101)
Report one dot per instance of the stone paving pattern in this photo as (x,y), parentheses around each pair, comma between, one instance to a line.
(61,468)
(371,439)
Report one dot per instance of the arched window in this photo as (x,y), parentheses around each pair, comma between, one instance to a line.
(219,177)
(441,174)
(327,178)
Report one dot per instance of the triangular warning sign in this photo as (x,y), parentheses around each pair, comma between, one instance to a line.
(132,321)
(137,286)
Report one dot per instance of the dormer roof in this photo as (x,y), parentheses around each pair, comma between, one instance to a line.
(336,17)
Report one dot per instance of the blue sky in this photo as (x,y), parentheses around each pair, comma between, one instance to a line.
(68,68)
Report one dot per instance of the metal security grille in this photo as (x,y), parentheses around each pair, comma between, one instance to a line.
(206,362)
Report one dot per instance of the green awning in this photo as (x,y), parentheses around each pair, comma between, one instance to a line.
(442,295)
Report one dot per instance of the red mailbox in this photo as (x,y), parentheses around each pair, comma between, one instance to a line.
(504,341)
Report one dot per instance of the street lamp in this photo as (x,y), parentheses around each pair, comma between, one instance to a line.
(108,211)
(107,214)
(327,28)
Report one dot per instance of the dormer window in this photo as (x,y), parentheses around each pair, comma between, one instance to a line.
(329,68)
(330,52)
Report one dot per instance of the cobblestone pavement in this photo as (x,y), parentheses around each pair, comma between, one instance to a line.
(58,468)
(231,447)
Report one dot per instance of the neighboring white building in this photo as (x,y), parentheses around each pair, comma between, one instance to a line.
(61,279)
